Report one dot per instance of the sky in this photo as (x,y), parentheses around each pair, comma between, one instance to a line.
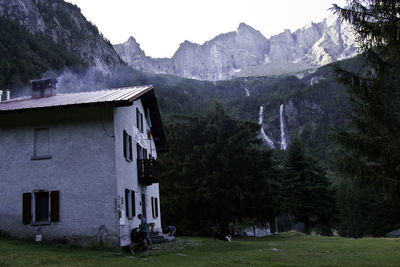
(159,26)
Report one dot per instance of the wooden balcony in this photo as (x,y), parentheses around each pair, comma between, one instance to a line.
(148,171)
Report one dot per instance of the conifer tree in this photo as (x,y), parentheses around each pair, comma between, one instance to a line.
(371,145)
(308,196)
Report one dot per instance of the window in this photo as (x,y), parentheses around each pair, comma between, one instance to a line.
(127,144)
(41,144)
(141,152)
(42,207)
(130,207)
(154,207)
(45,207)
(139,120)
(148,119)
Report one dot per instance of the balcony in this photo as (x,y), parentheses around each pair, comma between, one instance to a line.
(148,171)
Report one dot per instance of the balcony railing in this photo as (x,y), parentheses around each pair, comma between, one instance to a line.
(148,171)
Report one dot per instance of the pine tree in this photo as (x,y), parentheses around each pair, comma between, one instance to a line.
(308,196)
(371,143)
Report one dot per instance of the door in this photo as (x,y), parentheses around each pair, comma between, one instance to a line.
(144,206)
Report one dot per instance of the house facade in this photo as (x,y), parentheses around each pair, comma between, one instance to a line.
(80,166)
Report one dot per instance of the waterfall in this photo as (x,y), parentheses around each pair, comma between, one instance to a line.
(247,91)
(261,115)
(263,134)
(283,133)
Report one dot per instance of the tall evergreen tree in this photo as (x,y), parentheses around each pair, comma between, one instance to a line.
(371,145)
(308,196)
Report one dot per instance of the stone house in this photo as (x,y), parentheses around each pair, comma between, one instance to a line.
(80,166)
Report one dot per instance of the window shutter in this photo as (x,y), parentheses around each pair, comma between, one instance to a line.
(141,122)
(133,203)
(26,208)
(130,148)
(156,206)
(138,151)
(54,206)
(137,119)
(124,137)
(152,206)
(127,202)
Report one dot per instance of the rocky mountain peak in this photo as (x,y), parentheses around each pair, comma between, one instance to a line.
(132,42)
(247,51)
(187,43)
(245,31)
(244,27)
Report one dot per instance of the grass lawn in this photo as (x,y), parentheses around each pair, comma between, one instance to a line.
(288,249)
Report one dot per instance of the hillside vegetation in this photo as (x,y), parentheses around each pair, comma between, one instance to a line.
(25,56)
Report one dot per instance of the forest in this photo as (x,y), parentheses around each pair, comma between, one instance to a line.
(215,174)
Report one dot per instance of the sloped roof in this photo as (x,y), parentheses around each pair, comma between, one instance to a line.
(120,95)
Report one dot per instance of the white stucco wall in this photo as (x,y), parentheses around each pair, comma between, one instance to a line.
(81,167)
(125,119)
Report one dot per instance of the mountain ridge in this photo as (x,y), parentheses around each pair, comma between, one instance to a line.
(228,54)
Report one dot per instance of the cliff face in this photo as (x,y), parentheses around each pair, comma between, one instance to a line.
(64,24)
(246,52)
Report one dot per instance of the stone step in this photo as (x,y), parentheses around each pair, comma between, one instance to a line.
(157,240)
(155,234)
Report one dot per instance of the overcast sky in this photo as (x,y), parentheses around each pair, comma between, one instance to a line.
(159,26)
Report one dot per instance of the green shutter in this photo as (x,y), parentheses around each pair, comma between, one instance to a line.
(26,208)
(124,143)
(156,206)
(152,207)
(127,202)
(54,206)
(130,148)
(133,203)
